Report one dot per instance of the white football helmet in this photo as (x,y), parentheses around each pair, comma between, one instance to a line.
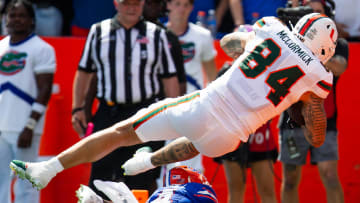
(318,32)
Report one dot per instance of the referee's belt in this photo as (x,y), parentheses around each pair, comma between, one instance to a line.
(129,105)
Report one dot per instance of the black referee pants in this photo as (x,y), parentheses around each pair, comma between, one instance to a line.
(109,167)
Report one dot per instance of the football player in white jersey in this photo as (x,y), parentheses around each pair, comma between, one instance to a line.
(277,69)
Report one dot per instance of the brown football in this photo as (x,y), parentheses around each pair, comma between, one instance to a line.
(294,112)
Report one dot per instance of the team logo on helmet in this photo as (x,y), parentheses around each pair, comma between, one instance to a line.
(180,175)
(12,62)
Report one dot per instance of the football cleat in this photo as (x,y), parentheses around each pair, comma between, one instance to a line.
(36,173)
(20,169)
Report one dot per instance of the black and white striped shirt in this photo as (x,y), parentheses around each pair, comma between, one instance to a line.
(128,62)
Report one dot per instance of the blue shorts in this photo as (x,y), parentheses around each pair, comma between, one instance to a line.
(326,152)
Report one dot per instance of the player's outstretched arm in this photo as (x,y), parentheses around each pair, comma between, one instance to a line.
(178,150)
(315,119)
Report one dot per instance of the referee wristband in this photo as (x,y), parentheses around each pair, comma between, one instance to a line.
(31,123)
(76,110)
(37,107)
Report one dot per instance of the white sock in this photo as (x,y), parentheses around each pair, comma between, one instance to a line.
(55,164)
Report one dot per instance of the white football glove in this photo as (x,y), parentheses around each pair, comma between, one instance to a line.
(140,163)
(116,192)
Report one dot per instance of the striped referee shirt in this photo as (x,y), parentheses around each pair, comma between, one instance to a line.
(128,62)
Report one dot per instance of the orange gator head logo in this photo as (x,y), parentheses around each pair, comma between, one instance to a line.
(12,62)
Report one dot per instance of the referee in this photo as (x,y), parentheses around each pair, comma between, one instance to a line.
(128,55)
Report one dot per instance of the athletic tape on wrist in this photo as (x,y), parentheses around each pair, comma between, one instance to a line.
(31,123)
(147,160)
(37,107)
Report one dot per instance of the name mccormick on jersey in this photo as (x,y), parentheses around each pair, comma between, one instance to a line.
(294,47)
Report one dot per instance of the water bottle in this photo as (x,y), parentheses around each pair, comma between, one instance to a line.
(201,19)
(211,21)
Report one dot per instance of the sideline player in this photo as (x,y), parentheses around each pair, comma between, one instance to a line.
(27,67)
(277,69)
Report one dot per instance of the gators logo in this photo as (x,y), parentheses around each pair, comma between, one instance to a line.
(12,62)
(188,50)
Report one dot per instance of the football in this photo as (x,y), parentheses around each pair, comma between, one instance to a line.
(294,112)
